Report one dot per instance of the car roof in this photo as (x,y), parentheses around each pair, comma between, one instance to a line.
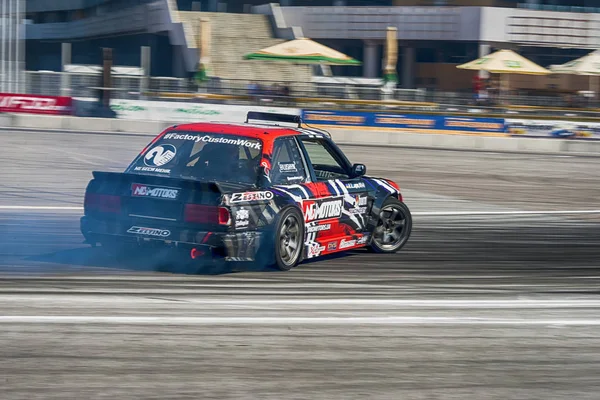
(264,132)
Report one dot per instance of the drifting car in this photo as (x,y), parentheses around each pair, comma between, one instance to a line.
(257,192)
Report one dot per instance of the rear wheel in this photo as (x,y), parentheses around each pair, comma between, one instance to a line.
(393,227)
(289,239)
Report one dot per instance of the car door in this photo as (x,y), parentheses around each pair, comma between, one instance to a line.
(291,174)
(331,172)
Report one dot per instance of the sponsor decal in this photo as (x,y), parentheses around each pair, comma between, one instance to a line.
(324,174)
(364,239)
(242,218)
(242,214)
(267,170)
(327,208)
(357,210)
(149,231)
(34,104)
(242,223)
(344,244)
(315,249)
(153,169)
(317,228)
(332,246)
(253,144)
(357,205)
(355,185)
(360,201)
(287,167)
(294,178)
(160,155)
(251,196)
(141,190)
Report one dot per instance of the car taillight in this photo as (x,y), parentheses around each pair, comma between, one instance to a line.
(102,203)
(201,214)
(224,216)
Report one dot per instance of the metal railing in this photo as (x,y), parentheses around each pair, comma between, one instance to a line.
(128,87)
(85,85)
(548,7)
(304,94)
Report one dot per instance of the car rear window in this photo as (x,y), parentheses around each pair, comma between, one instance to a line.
(201,156)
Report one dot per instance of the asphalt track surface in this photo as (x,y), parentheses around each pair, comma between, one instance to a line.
(485,302)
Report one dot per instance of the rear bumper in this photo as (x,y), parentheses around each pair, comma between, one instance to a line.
(234,246)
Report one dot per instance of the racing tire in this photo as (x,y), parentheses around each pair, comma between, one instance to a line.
(393,228)
(288,239)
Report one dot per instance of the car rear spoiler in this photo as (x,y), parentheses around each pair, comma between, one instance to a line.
(274,117)
(285,118)
(212,187)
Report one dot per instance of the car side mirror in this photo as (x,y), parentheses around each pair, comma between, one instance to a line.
(358,170)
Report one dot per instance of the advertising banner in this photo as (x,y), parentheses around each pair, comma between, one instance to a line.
(410,122)
(34,104)
(180,111)
(553,129)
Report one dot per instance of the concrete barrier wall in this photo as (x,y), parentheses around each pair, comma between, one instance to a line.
(463,142)
(341,136)
(82,124)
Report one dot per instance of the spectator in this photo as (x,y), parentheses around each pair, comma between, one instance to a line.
(253,91)
(285,92)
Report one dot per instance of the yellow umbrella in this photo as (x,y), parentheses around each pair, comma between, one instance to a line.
(588,65)
(505,62)
(303,51)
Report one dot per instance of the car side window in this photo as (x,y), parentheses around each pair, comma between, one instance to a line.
(323,160)
(287,167)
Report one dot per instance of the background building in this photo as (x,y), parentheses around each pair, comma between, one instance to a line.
(433,35)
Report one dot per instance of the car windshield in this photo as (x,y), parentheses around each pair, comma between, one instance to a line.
(201,156)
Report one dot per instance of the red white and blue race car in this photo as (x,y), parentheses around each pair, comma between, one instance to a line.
(245,192)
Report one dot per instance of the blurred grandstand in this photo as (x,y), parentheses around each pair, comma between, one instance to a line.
(158,46)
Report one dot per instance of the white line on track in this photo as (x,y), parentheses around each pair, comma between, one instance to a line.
(276,302)
(549,303)
(416,213)
(162,320)
(30,208)
(516,212)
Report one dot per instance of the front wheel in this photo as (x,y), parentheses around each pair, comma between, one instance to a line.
(289,239)
(393,227)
